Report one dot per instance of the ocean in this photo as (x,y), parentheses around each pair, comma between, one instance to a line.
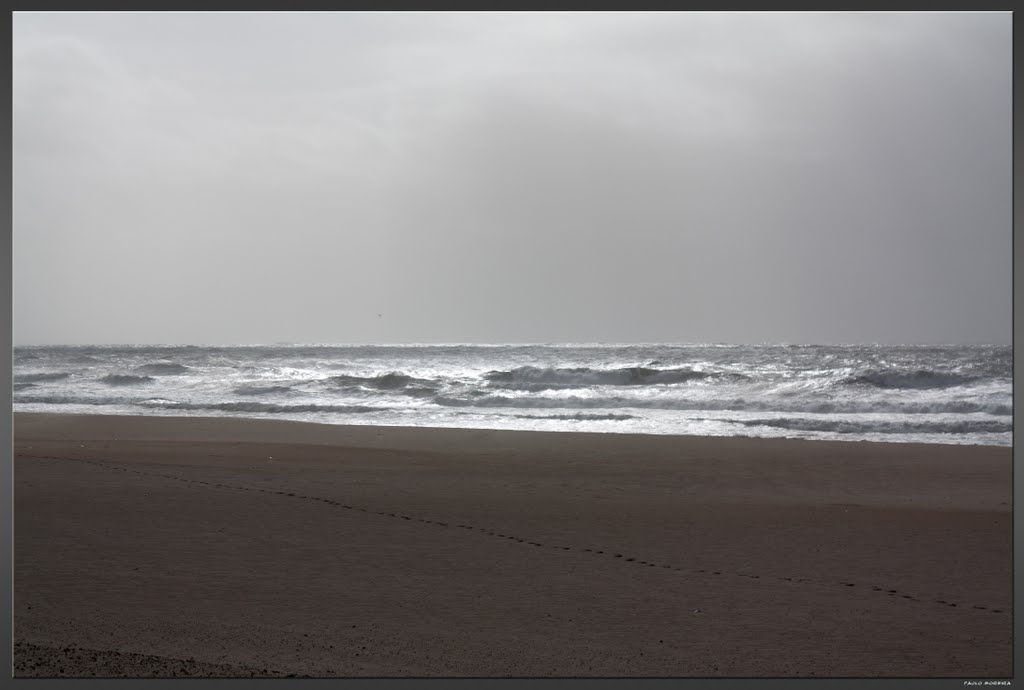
(929,394)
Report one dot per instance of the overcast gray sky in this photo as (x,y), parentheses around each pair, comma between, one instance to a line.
(526,177)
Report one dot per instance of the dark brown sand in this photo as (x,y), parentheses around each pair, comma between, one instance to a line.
(218,547)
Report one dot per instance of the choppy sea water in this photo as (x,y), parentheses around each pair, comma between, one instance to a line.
(931,394)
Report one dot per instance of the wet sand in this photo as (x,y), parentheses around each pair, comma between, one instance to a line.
(149,546)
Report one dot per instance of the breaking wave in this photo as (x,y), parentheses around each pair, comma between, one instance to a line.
(419,392)
(726,405)
(164,403)
(71,400)
(82,359)
(537,378)
(832,391)
(257,407)
(921,378)
(26,378)
(578,417)
(126,379)
(262,390)
(390,381)
(965,426)
(164,368)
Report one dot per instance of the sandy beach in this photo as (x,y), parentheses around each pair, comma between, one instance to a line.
(147,546)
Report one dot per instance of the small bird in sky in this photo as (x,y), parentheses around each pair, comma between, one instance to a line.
(379,315)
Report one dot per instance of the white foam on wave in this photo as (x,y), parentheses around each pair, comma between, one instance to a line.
(41,376)
(916,378)
(534,378)
(860,426)
(163,368)
(126,380)
(238,406)
(636,388)
(735,404)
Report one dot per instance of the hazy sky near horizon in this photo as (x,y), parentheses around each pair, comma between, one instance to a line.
(512,177)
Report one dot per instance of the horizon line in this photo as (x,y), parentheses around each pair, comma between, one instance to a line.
(567,343)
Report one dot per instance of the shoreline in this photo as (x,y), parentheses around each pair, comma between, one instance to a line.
(26,418)
(204,546)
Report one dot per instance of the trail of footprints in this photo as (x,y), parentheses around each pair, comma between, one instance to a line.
(493,533)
